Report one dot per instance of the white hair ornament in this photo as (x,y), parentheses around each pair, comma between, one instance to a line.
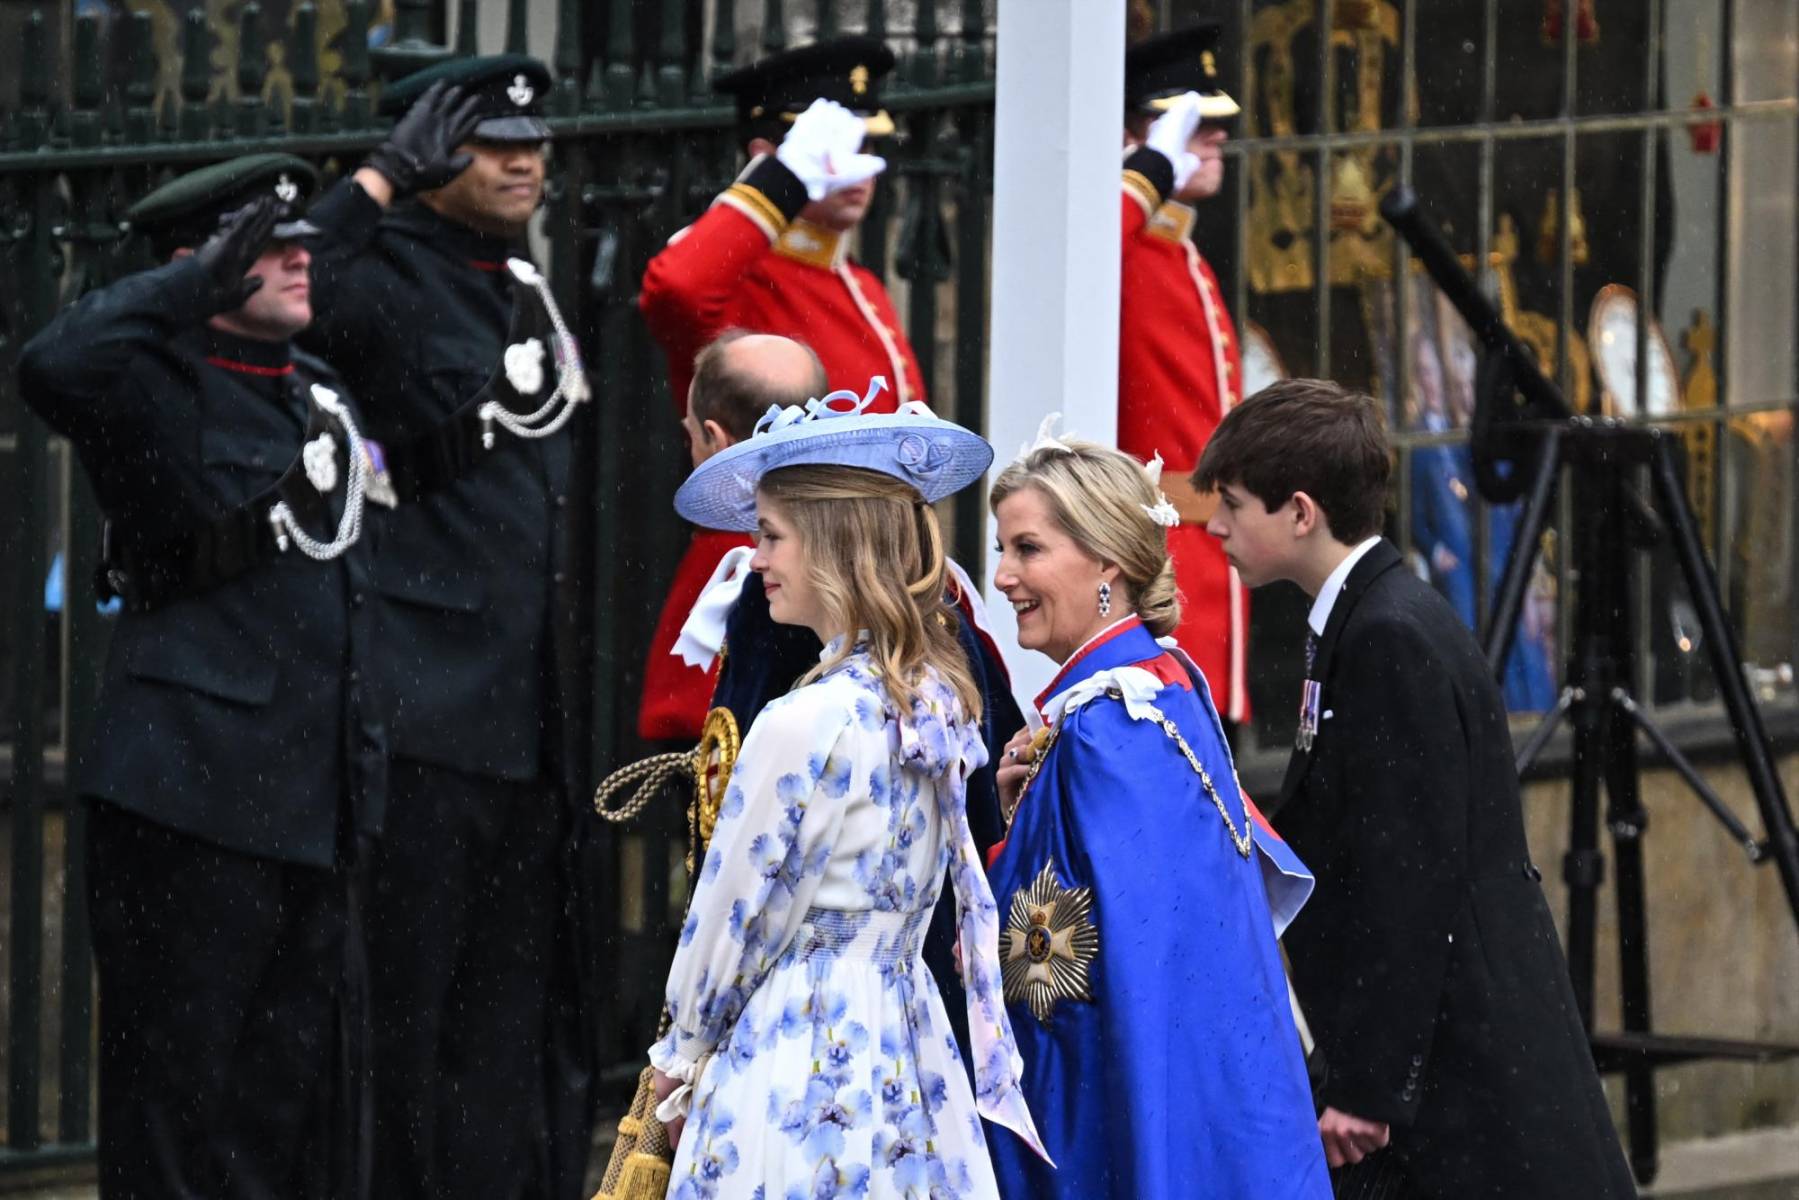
(1046,439)
(1162,512)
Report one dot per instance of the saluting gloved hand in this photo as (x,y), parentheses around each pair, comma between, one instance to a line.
(824,149)
(420,154)
(228,255)
(1171,132)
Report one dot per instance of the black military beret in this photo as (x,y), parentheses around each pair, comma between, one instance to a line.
(1158,69)
(778,88)
(189,209)
(511,89)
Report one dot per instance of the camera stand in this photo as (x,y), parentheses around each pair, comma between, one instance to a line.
(1524,435)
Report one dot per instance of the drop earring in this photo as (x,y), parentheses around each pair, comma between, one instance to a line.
(1105,598)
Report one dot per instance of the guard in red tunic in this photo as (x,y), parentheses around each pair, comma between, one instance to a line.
(771,256)
(1178,364)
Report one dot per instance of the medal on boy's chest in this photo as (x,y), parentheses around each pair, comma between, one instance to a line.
(1310,695)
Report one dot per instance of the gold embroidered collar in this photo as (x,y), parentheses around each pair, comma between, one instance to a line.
(1173,222)
(814,245)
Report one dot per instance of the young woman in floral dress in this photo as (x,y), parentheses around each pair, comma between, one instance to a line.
(809,1054)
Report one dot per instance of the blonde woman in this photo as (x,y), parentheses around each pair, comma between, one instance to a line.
(1140,898)
(808,1048)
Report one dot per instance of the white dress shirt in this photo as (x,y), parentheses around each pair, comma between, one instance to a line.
(1333,584)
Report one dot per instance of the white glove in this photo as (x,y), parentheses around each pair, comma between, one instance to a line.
(1170,133)
(824,149)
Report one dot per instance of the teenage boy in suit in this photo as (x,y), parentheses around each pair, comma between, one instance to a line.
(1426,962)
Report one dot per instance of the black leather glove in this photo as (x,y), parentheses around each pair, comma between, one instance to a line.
(420,154)
(228,255)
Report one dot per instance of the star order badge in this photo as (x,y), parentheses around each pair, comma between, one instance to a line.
(1050,940)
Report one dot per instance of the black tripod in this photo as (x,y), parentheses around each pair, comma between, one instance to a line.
(1523,435)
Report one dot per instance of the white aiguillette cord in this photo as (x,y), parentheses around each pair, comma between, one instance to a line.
(349,526)
(571,377)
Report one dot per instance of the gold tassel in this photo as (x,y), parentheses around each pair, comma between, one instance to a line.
(641,1157)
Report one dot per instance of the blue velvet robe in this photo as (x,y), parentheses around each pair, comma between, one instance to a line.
(1183,1076)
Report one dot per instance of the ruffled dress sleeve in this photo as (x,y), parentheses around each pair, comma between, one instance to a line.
(936,733)
(779,820)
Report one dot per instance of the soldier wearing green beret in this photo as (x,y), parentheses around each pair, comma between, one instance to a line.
(429,303)
(237,758)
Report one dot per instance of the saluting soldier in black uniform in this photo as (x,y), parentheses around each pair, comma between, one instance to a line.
(429,306)
(237,753)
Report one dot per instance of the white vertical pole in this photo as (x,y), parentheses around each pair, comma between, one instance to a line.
(1057,149)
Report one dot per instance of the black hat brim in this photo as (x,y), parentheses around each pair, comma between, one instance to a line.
(878,123)
(299,227)
(1213,106)
(513,129)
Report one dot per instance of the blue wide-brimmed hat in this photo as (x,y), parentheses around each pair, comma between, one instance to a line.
(937,457)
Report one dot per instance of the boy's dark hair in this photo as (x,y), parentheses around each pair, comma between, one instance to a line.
(1311,436)
(737,399)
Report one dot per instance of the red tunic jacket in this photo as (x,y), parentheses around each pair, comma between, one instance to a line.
(1178,374)
(748,264)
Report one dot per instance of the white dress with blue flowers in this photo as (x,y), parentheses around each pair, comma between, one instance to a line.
(820,1055)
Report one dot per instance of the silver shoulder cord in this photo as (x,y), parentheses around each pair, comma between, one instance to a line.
(571,381)
(349,526)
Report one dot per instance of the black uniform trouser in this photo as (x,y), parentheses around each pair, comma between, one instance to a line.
(465,896)
(220,976)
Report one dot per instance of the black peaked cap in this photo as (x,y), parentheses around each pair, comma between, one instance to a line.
(190,208)
(510,87)
(1159,68)
(846,69)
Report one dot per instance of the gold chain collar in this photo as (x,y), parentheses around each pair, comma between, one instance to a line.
(1046,739)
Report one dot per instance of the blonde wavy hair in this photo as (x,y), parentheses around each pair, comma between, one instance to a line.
(874,555)
(1097,495)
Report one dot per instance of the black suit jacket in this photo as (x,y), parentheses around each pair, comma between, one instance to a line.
(414,310)
(242,715)
(1427,962)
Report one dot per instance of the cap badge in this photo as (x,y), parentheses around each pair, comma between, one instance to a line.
(859,79)
(286,190)
(1209,64)
(521,91)
(319,457)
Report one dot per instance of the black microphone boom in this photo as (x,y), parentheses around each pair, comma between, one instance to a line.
(1543,399)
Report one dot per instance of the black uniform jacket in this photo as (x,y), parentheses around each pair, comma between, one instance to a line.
(241,714)
(1426,960)
(414,310)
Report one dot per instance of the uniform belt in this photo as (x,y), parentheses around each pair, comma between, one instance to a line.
(218,551)
(439,457)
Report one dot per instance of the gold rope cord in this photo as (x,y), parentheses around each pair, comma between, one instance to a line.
(648,776)
(642,1157)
